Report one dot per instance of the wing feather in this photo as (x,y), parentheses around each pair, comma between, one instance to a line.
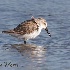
(26,27)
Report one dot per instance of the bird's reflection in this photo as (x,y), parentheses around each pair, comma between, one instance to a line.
(32,50)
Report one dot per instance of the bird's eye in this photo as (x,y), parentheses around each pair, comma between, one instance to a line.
(44,24)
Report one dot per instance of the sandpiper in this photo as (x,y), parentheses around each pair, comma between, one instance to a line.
(29,29)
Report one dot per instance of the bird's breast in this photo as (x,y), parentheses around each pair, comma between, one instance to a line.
(32,35)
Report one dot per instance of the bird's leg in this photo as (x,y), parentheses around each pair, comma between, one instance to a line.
(24,42)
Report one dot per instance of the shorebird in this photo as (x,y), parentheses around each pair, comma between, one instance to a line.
(29,29)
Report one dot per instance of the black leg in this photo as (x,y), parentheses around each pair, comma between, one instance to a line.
(24,42)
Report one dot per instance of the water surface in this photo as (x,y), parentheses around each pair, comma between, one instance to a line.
(42,53)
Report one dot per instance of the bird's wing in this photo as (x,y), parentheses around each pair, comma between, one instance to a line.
(26,27)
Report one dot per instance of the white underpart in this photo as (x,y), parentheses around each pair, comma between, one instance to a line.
(31,35)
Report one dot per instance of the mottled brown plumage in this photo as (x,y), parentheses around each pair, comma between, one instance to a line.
(26,27)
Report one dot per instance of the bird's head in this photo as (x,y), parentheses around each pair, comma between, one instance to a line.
(42,23)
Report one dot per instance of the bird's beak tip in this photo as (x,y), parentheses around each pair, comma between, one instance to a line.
(50,35)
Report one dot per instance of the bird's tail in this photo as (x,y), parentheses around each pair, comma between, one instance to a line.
(9,31)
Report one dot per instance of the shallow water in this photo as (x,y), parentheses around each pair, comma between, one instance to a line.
(42,53)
